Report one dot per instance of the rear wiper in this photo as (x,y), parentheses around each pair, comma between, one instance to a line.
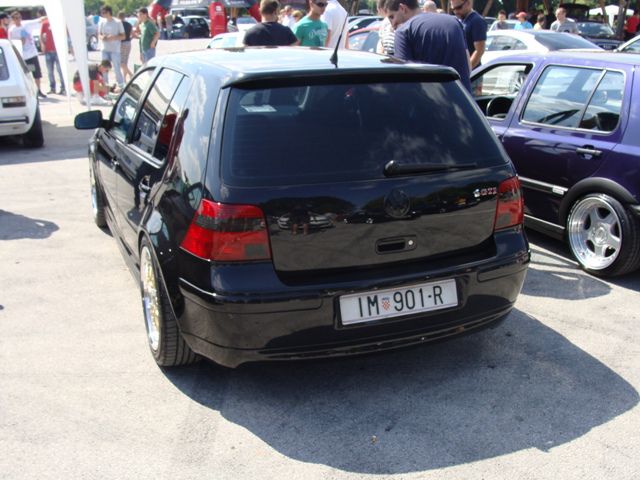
(393,168)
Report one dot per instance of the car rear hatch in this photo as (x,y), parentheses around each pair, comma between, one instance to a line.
(353,174)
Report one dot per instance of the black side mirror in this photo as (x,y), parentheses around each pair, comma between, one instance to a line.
(88,120)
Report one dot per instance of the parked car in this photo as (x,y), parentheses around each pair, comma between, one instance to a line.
(227,40)
(631,46)
(362,22)
(245,23)
(190,27)
(508,42)
(599,33)
(91,34)
(569,122)
(489,21)
(19,109)
(204,153)
(365,39)
(510,24)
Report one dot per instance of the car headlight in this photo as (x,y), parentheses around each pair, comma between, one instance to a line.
(8,102)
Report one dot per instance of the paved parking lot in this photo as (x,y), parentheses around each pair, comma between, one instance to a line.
(551,393)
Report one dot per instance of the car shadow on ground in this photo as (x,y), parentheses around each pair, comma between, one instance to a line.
(515,387)
(14,227)
(571,282)
(57,146)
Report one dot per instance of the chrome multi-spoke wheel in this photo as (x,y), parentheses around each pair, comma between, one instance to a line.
(604,236)
(150,298)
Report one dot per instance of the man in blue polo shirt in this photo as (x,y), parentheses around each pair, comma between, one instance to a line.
(428,38)
(475,29)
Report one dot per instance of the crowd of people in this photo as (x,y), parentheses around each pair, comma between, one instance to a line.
(409,31)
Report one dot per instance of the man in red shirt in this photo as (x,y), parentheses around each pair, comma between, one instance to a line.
(4,25)
(631,28)
(51,56)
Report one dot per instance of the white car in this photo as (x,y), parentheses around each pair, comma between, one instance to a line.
(245,23)
(227,40)
(510,24)
(19,110)
(507,42)
(632,46)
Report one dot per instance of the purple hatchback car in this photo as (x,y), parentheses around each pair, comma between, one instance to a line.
(571,125)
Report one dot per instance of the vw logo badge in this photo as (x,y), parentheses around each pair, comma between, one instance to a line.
(396,204)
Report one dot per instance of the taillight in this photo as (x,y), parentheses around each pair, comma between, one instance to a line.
(510,208)
(228,233)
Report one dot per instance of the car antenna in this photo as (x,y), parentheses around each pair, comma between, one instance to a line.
(334,56)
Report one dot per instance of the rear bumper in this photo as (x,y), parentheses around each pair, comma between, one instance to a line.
(14,125)
(305,323)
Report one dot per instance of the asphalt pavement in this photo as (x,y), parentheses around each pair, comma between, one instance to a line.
(551,393)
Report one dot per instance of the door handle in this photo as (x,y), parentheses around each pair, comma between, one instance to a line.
(114,163)
(144,184)
(588,150)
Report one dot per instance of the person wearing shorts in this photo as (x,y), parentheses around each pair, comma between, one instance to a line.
(125,47)
(29,50)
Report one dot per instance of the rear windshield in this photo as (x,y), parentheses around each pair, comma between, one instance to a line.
(563,40)
(4,69)
(347,132)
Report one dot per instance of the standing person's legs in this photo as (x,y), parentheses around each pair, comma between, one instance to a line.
(49,58)
(63,90)
(115,61)
(148,54)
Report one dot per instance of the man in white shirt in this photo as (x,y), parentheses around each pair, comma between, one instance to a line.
(19,32)
(287,17)
(111,33)
(335,17)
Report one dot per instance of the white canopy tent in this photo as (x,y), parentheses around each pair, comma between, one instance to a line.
(611,10)
(65,16)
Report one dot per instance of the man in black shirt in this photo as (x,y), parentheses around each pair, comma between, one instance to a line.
(269,32)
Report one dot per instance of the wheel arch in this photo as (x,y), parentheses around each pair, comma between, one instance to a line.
(594,185)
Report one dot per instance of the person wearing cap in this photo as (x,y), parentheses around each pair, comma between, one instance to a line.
(563,24)
(524,23)
(311,31)
(4,25)
(269,32)
(475,29)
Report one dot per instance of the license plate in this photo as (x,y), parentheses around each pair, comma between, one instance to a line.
(365,307)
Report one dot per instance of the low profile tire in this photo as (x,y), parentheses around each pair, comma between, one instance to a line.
(34,137)
(165,340)
(603,236)
(97,200)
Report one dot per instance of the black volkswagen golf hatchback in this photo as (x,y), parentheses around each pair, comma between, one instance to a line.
(276,206)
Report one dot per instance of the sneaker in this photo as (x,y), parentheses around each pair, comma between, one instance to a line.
(51,92)
(41,95)
(62,92)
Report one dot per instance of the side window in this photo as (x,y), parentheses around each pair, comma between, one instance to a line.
(560,95)
(125,110)
(153,131)
(518,45)
(501,80)
(371,43)
(605,105)
(633,48)
(25,69)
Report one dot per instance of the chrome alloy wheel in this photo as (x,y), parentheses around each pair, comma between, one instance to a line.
(150,298)
(594,233)
(94,192)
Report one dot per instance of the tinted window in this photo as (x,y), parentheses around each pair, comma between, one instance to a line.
(563,40)
(560,96)
(501,80)
(603,112)
(155,123)
(4,69)
(332,133)
(125,110)
(594,29)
